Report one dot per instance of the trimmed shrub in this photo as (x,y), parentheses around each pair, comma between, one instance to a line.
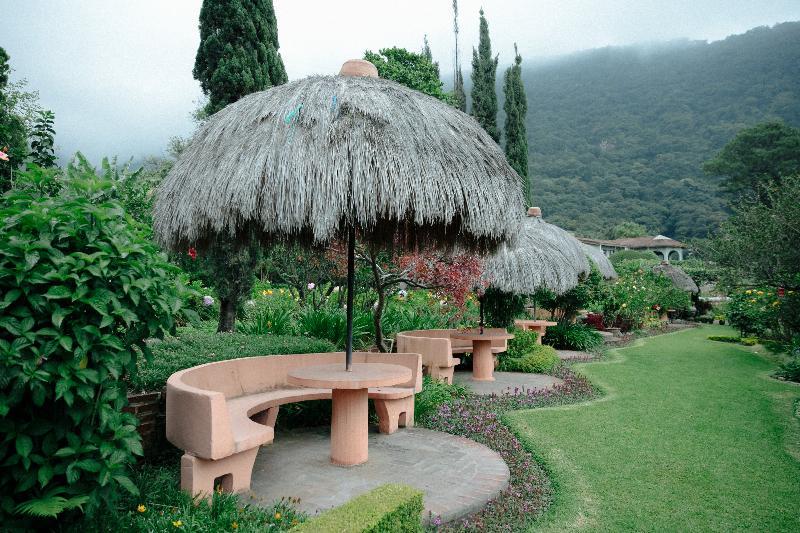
(192,347)
(394,508)
(749,341)
(724,338)
(434,393)
(540,360)
(567,336)
(82,288)
(523,343)
(628,255)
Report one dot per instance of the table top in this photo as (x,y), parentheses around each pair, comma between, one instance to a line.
(362,376)
(477,336)
(535,322)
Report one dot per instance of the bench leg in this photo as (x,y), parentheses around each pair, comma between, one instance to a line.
(394,413)
(443,373)
(198,475)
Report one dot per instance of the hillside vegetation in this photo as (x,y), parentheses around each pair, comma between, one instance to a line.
(620,134)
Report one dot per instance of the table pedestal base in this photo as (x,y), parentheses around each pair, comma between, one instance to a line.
(482,360)
(349,429)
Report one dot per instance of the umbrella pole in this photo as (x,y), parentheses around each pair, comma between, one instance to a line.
(351,260)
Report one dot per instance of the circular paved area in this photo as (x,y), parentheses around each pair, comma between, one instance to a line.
(506,382)
(458,476)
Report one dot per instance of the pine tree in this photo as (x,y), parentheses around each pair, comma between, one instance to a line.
(238,52)
(516,107)
(458,79)
(238,55)
(426,52)
(484,73)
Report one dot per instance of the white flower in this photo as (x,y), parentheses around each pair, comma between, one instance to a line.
(311,286)
(402,293)
(336,288)
(208,301)
(250,303)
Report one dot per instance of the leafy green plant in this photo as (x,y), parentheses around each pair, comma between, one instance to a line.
(540,359)
(569,336)
(434,393)
(268,320)
(724,338)
(164,507)
(523,343)
(82,288)
(331,324)
(749,341)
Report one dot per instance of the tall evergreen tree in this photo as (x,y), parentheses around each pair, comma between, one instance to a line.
(238,52)
(516,107)
(426,52)
(459,96)
(238,55)
(484,74)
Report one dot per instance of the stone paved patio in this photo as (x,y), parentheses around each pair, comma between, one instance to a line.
(506,382)
(573,355)
(458,476)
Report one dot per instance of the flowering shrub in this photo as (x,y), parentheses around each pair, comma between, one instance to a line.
(80,288)
(761,311)
(478,418)
(638,294)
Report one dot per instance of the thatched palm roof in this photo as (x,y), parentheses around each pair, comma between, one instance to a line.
(308,158)
(679,278)
(600,260)
(543,256)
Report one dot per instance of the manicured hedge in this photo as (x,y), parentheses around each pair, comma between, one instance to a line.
(192,347)
(394,508)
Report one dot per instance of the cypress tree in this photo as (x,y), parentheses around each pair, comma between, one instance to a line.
(484,73)
(238,52)
(238,55)
(459,96)
(516,107)
(427,54)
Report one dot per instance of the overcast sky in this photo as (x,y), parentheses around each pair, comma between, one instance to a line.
(118,73)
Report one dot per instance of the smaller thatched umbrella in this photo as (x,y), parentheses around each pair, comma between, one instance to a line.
(679,278)
(543,256)
(600,260)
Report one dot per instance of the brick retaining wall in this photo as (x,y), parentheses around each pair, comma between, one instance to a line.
(150,409)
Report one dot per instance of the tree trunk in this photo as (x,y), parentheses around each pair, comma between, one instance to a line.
(376,318)
(227,315)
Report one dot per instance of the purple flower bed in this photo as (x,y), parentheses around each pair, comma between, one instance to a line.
(479,418)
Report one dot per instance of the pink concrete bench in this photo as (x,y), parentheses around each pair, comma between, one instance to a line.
(437,349)
(220,413)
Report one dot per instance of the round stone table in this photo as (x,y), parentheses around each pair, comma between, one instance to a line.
(350,393)
(482,357)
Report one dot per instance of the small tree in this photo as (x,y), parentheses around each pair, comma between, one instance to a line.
(628,229)
(484,74)
(42,140)
(516,108)
(415,71)
(459,97)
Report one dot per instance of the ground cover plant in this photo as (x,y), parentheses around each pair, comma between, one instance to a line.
(481,418)
(691,436)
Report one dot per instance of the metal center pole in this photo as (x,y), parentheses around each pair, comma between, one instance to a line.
(351,267)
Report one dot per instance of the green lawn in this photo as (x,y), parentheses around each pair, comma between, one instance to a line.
(691,435)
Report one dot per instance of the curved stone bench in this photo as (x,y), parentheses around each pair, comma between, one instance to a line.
(220,413)
(437,349)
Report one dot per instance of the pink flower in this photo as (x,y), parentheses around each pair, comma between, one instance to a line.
(192,253)
(311,286)
(3,155)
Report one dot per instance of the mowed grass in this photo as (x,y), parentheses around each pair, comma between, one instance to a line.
(690,435)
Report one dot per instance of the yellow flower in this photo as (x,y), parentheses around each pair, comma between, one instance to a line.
(624,305)
(141,508)
(177,523)
(760,293)
(748,291)
(281,291)
(234,525)
(263,293)
(269,292)
(776,302)
(790,292)
(752,300)
(277,516)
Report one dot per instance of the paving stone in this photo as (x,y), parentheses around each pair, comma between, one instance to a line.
(507,382)
(457,475)
(573,355)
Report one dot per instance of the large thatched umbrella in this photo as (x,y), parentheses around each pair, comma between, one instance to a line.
(329,156)
(600,260)
(543,256)
(679,278)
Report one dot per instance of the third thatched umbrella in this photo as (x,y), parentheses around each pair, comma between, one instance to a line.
(679,278)
(600,260)
(329,156)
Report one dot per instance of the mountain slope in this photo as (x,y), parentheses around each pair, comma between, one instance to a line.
(621,133)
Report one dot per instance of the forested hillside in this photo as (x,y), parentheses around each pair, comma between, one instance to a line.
(621,134)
